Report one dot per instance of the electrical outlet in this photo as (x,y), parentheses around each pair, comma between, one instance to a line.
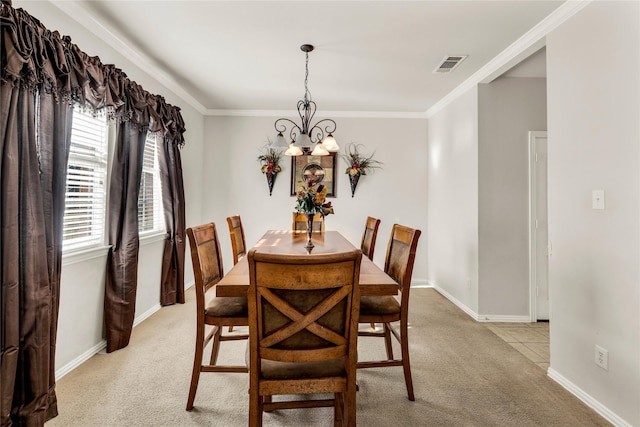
(597,199)
(602,358)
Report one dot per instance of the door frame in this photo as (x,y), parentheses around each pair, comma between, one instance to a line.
(533,136)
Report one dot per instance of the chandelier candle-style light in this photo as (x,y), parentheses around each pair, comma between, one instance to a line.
(305,136)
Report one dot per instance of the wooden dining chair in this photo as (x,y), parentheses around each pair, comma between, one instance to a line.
(300,222)
(238,243)
(401,254)
(217,312)
(368,243)
(369,237)
(303,330)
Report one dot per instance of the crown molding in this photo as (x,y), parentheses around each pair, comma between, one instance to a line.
(343,114)
(529,43)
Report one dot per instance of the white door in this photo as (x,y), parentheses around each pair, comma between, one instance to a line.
(539,226)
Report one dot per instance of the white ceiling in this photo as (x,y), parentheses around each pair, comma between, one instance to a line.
(370,56)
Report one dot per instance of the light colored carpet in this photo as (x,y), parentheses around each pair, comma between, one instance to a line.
(463,374)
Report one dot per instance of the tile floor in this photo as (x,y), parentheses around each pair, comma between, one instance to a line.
(530,339)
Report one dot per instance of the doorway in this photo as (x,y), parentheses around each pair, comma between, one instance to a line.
(538,227)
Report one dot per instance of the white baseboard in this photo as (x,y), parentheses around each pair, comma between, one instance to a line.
(594,404)
(100,346)
(80,359)
(139,319)
(501,318)
(481,317)
(420,283)
(457,303)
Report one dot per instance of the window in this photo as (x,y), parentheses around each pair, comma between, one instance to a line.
(86,191)
(84,214)
(150,212)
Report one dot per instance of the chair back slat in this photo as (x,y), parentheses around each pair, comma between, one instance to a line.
(369,237)
(206,260)
(205,255)
(300,222)
(238,243)
(401,254)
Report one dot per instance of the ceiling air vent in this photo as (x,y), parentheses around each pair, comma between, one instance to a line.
(449,63)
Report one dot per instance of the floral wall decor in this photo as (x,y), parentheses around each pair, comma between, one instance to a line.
(358,164)
(269,162)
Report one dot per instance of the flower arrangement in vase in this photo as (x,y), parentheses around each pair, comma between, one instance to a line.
(269,161)
(310,200)
(358,164)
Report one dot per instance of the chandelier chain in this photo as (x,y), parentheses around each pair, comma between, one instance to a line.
(307,94)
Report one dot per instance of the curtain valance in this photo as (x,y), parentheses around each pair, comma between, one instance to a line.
(37,58)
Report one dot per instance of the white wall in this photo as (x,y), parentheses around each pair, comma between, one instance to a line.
(80,328)
(508,108)
(452,198)
(593,82)
(593,132)
(394,193)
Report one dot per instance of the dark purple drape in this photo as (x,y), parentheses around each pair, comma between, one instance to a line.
(42,74)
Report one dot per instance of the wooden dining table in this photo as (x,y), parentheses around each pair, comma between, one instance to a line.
(373,280)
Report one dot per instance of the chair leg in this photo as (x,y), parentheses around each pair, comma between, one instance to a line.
(373,326)
(350,407)
(215,346)
(255,408)
(230,328)
(404,344)
(197,363)
(387,341)
(338,409)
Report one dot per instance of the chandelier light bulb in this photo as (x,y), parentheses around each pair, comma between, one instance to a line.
(330,144)
(279,142)
(293,151)
(302,140)
(319,150)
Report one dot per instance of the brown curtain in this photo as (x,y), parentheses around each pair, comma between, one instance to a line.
(172,285)
(42,74)
(122,261)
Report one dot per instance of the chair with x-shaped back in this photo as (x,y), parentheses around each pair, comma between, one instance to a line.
(303,323)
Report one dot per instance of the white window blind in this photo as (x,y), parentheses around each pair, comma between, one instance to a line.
(150,211)
(84,214)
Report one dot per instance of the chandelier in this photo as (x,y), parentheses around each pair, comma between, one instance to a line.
(304,137)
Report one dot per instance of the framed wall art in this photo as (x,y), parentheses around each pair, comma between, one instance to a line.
(319,169)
